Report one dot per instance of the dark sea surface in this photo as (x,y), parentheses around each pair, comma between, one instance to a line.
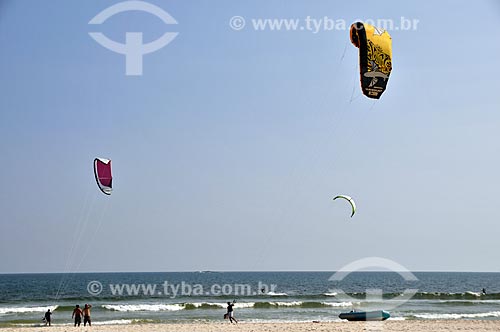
(127,298)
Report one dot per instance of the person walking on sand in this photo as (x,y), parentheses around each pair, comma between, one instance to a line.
(47,317)
(86,315)
(230,312)
(77,314)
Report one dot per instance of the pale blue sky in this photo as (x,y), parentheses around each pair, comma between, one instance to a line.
(228,150)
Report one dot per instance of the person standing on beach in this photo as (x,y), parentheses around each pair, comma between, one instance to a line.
(230,312)
(77,314)
(47,317)
(86,315)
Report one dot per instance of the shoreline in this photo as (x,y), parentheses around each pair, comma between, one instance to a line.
(344,326)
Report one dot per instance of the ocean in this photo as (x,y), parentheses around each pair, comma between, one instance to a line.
(128,298)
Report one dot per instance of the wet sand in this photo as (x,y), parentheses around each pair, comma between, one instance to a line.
(395,326)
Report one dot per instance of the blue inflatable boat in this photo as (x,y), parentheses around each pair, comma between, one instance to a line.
(365,315)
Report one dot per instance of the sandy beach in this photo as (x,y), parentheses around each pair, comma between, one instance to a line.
(413,325)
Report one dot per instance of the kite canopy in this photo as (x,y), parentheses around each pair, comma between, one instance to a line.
(350,200)
(375,57)
(103,177)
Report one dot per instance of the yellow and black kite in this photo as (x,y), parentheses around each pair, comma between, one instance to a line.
(375,57)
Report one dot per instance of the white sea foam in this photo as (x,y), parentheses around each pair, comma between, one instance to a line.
(170,307)
(243,304)
(287,304)
(330,294)
(223,305)
(20,310)
(459,316)
(338,304)
(276,294)
(144,307)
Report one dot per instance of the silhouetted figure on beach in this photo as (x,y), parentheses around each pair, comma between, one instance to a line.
(230,312)
(484,291)
(47,317)
(77,314)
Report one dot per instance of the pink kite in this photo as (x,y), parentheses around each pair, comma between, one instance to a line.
(102,171)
